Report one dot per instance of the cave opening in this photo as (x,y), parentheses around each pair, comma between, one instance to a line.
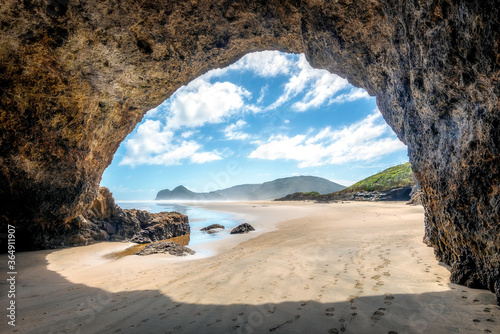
(267,116)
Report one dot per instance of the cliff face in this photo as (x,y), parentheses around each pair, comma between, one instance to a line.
(77,76)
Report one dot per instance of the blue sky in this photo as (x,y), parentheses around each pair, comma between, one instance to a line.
(267,116)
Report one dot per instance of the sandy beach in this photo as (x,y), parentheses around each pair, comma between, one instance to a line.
(356,267)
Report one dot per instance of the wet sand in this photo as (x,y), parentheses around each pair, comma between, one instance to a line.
(310,268)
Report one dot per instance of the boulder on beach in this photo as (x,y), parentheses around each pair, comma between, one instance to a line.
(211,227)
(165,247)
(242,228)
(141,239)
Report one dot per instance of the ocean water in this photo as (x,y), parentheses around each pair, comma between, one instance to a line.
(198,218)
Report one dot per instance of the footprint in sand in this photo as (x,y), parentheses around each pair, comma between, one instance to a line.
(377,315)
(329,312)
(388,298)
(352,298)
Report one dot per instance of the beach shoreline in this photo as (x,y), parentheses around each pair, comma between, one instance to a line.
(357,267)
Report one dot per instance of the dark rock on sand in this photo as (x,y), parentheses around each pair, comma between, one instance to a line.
(415,195)
(211,227)
(107,221)
(301,196)
(242,228)
(140,239)
(165,247)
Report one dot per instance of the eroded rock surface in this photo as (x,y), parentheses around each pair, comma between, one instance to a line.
(77,76)
(212,226)
(166,247)
(242,228)
(106,221)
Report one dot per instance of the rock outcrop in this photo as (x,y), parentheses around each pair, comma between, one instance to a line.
(300,196)
(242,228)
(165,247)
(415,195)
(212,226)
(395,194)
(77,76)
(106,221)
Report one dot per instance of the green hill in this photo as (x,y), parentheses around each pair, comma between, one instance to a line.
(393,177)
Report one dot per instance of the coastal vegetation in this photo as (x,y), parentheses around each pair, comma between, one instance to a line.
(390,178)
(394,183)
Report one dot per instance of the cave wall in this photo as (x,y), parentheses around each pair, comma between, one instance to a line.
(77,76)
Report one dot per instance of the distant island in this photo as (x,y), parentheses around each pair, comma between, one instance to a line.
(393,184)
(262,191)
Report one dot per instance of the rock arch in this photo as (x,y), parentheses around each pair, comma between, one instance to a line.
(77,76)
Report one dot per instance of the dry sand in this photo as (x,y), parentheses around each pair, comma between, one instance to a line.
(311,268)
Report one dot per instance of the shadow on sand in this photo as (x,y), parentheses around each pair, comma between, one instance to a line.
(65,307)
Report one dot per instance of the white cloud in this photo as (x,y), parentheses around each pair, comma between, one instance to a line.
(150,139)
(201,158)
(354,94)
(202,102)
(232,131)
(366,140)
(155,145)
(323,88)
(264,63)
(187,134)
(263,92)
(321,85)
